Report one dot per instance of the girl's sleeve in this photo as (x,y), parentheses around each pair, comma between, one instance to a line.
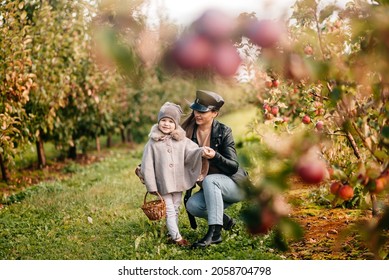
(192,162)
(148,170)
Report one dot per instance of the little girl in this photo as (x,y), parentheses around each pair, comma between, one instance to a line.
(171,164)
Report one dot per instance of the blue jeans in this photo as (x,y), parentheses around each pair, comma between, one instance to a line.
(217,193)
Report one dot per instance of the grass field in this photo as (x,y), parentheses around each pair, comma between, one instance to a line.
(95,214)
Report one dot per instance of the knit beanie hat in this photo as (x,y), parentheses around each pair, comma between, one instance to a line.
(172,111)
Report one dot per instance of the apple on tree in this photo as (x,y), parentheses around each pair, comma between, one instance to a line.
(225,59)
(306,119)
(274,110)
(215,25)
(319,125)
(265,33)
(192,52)
(346,192)
(335,186)
(311,170)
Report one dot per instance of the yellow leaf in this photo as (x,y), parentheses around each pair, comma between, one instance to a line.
(21,5)
(23,15)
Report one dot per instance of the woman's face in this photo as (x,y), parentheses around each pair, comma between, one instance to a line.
(166,125)
(204,118)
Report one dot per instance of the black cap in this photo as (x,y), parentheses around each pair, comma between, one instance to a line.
(207,101)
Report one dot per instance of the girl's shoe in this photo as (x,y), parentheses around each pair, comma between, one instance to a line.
(183,242)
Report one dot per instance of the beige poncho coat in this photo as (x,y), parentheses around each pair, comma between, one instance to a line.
(170,163)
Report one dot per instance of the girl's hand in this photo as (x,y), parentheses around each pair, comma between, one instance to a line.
(209,153)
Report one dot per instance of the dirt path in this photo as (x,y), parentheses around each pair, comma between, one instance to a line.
(327,232)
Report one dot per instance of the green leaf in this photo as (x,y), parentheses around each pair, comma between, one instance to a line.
(385,131)
(327,12)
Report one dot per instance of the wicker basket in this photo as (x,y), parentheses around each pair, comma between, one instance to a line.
(155,209)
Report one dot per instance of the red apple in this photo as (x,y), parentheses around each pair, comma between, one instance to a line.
(275,83)
(192,52)
(319,125)
(268,116)
(346,192)
(266,107)
(306,119)
(268,84)
(274,110)
(265,33)
(267,220)
(311,170)
(308,50)
(380,184)
(214,24)
(335,186)
(226,59)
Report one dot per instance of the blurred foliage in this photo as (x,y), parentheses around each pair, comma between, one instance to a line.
(72,71)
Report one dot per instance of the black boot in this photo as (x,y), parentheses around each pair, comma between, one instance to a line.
(228,222)
(213,236)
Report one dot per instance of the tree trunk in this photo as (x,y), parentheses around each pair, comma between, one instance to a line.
(72,153)
(98,146)
(129,136)
(40,153)
(109,141)
(123,135)
(374,204)
(3,169)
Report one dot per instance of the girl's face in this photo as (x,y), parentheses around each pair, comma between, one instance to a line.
(204,118)
(166,125)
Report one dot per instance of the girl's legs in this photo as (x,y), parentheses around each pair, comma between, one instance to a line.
(173,202)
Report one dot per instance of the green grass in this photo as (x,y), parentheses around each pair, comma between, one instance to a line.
(239,121)
(96,215)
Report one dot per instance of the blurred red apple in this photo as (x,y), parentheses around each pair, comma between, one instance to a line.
(335,186)
(319,125)
(274,110)
(275,83)
(311,170)
(380,184)
(346,192)
(306,119)
(268,83)
(308,50)
(267,220)
(226,59)
(266,107)
(192,52)
(214,24)
(269,116)
(265,33)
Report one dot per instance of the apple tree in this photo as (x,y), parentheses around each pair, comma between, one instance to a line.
(17,81)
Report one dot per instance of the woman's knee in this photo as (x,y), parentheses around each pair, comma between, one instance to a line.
(210,182)
(191,205)
(195,206)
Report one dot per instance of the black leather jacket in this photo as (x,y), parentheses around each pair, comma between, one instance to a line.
(226,160)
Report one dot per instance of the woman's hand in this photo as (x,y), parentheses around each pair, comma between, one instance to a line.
(208,153)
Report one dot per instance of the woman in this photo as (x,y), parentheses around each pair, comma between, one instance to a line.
(220,173)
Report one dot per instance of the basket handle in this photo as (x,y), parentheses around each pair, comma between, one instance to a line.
(147,192)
